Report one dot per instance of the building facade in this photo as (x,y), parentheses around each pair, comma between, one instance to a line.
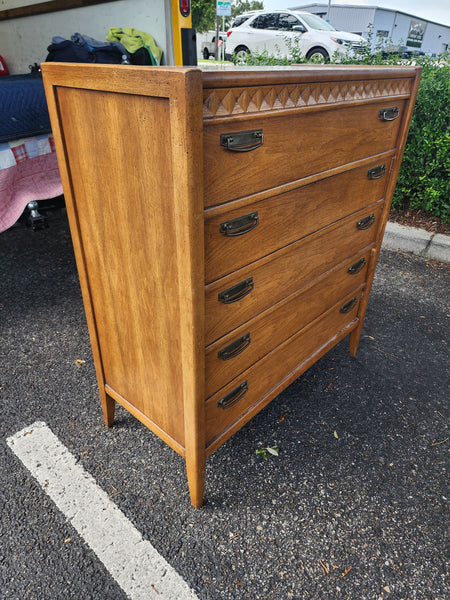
(390,27)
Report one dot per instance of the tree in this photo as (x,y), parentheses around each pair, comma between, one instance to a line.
(204,12)
(239,7)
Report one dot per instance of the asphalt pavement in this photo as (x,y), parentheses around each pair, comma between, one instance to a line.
(355,506)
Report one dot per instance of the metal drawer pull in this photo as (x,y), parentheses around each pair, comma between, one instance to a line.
(366,222)
(234,396)
(348,306)
(357,266)
(236,292)
(240,225)
(389,114)
(235,348)
(242,141)
(377,172)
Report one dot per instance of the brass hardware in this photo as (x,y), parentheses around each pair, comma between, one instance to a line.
(377,172)
(366,222)
(233,396)
(240,225)
(389,114)
(236,292)
(242,141)
(348,306)
(235,348)
(357,266)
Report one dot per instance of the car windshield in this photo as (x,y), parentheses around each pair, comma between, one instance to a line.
(316,22)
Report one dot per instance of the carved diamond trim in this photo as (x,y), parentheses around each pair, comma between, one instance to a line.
(224,102)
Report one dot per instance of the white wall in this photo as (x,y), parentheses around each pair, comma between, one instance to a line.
(24,41)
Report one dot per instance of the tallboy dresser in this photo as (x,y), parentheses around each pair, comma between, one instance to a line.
(226,227)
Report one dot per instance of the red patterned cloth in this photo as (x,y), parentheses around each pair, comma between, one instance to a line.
(28,171)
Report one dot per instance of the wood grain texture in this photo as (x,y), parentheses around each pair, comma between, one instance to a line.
(285,218)
(276,366)
(143,177)
(273,326)
(282,273)
(294,147)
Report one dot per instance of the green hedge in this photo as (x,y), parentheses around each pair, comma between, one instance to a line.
(424,179)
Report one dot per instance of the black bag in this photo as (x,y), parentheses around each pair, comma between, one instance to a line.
(68,51)
(140,57)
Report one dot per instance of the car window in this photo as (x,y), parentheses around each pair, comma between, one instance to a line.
(286,22)
(268,21)
(315,22)
(239,20)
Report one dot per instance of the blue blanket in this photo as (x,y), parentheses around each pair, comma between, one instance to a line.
(23,105)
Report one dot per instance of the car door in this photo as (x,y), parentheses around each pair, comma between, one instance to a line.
(263,33)
(288,39)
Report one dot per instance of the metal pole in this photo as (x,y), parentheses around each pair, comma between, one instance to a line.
(217,38)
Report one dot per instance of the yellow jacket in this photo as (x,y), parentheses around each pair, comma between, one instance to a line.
(133,39)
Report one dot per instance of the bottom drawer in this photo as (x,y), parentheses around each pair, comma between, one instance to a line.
(255,383)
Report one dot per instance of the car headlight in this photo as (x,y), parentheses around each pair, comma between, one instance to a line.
(342,42)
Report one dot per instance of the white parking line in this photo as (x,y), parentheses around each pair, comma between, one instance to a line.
(137,567)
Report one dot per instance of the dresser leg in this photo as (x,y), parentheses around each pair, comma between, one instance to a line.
(354,339)
(195,468)
(356,333)
(108,408)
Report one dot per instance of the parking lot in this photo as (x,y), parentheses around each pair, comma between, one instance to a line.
(355,506)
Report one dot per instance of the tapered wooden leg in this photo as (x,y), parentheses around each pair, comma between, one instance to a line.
(356,333)
(195,469)
(108,408)
(354,339)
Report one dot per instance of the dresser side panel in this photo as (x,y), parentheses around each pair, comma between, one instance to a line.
(124,185)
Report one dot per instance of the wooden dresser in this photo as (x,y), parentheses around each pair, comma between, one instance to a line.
(226,228)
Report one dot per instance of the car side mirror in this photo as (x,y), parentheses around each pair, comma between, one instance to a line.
(299,29)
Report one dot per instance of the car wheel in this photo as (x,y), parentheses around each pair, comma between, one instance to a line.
(318,55)
(205,53)
(240,55)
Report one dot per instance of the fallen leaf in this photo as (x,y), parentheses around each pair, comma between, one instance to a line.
(336,435)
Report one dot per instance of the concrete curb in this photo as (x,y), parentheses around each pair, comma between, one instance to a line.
(434,246)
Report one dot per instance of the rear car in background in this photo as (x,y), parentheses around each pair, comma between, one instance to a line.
(278,32)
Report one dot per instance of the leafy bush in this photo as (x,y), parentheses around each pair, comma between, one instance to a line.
(424,179)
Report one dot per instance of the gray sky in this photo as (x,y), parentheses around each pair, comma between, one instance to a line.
(433,10)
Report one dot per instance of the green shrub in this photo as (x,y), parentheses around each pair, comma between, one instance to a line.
(424,179)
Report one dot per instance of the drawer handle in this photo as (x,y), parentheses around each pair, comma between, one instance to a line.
(366,222)
(236,292)
(377,172)
(234,396)
(235,348)
(348,306)
(389,114)
(357,266)
(240,225)
(242,141)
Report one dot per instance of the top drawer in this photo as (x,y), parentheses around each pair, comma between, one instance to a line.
(295,144)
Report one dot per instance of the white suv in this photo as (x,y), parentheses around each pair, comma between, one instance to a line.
(278,31)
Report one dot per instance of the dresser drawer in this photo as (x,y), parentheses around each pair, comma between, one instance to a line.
(252,385)
(235,237)
(295,145)
(235,352)
(268,280)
